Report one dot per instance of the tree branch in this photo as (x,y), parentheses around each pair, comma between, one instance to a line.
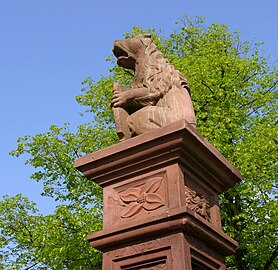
(128,72)
(204,84)
(31,266)
(273,256)
(255,99)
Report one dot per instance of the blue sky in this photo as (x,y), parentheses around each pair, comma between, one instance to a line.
(48,47)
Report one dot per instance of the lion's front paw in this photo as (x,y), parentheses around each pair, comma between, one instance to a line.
(119,99)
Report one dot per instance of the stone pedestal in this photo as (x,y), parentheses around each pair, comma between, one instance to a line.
(160,201)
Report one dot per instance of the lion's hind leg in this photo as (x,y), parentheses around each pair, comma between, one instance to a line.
(146,119)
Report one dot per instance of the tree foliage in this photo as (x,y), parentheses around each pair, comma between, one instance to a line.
(30,240)
(234,91)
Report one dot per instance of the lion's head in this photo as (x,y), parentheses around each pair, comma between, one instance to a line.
(158,73)
(130,50)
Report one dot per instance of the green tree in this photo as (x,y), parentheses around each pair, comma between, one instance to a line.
(234,93)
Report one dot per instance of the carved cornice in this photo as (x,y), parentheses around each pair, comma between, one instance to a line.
(176,143)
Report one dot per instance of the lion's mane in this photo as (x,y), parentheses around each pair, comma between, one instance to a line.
(160,74)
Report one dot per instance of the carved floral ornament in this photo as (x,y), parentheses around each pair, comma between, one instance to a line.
(199,204)
(145,197)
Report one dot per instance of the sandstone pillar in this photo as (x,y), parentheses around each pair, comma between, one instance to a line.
(160,201)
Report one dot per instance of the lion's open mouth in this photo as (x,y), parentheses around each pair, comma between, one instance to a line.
(124,56)
(119,52)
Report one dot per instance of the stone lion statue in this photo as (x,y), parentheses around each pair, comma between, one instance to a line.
(159,94)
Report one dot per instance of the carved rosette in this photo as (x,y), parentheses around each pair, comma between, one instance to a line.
(144,197)
(197,203)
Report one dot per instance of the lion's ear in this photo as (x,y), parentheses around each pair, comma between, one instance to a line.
(147,38)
